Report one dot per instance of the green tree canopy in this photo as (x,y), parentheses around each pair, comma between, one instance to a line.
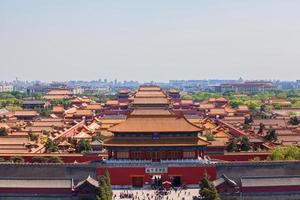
(207,189)
(83,145)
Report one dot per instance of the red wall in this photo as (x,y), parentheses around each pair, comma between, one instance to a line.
(271,189)
(36,190)
(192,175)
(189,175)
(69,158)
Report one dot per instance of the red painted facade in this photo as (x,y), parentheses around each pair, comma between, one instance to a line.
(36,190)
(271,189)
(188,175)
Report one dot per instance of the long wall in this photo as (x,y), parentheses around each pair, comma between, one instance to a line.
(121,175)
(234,170)
(76,171)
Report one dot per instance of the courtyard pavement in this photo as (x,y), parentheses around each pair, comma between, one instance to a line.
(186,194)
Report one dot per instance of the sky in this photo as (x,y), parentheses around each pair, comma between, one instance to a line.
(55,40)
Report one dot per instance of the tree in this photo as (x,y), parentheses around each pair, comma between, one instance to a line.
(271,135)
(261,128)
(207,189)
(245,144)
(39,159)
(285,153)
(209,136)
(83,145)
(104,191)
(51,146)
(232,145)
(54,159)
(97,136)
(17,159)
(32,136)
(248,120)
(109,188)
(294,121)
(3,131)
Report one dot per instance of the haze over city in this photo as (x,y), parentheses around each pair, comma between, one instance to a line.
(144,41)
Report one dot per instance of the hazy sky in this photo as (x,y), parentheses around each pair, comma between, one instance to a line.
(149,40)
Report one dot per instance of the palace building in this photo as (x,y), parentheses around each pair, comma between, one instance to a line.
(155,134)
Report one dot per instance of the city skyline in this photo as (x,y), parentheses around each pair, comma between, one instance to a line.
(142,41)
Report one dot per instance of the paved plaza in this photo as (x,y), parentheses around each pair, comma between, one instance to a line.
(186,194)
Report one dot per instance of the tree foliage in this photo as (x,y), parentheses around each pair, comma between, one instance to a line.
(17,159)
(207,189)
(104,191)
(271,135)
(3,131)
(49,159)
(83,145)
(238,144)
(232,145)
(245,144)
(285,153)
(294,120)
(51,146)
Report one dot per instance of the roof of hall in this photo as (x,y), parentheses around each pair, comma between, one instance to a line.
(149,88)
(150,94)
(146,111)
(155,123)
(150,101)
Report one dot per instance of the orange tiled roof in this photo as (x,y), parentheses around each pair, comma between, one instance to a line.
(150,101)
(81,100)
(151,94)
(149,88)
(94,106)
(229,110)
(112,102)
(59,92)
(83,113)
(186,102)
(152,124)
(158,112)
(58,109)
(53,97)
(206,106)
(26,113)
(217,111)
(48,123)
(243,108)
(70,111)
(83,135)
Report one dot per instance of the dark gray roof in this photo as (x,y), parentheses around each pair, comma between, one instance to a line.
(259,181)
(89,180)
(223,178)
(35,183)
